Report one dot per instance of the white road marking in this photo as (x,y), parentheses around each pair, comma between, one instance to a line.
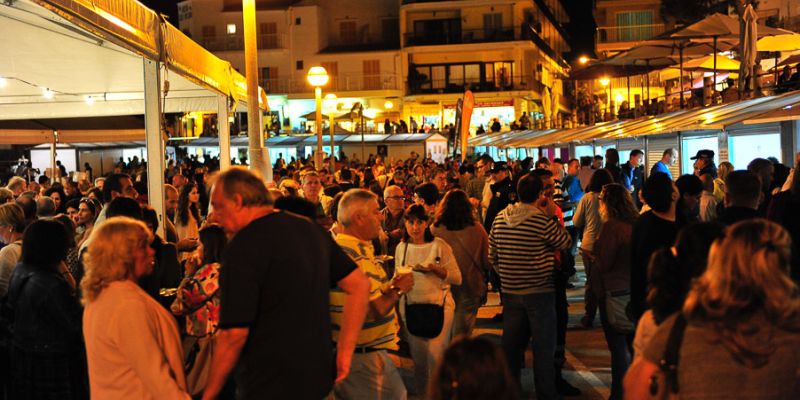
(584,372)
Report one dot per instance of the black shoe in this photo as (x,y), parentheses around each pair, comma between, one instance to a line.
(498,317)
(565,389)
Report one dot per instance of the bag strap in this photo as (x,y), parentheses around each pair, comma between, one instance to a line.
(670,360)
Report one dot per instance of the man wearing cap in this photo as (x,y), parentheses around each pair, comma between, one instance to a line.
(704,163)
(503,193)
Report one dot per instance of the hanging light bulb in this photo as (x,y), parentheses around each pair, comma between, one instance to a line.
(3,82)
(47,93)
(89,100)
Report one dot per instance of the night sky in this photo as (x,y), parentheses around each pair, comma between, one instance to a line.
(581,28)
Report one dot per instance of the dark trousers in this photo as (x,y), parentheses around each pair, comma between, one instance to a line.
(531,319)
(590,300)
(621,347)
(562,317)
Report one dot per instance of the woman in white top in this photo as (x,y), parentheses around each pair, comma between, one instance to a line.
(434,267)
(587,216)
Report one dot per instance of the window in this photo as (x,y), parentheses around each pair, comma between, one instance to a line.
(456,75)
(472,73)
(347,32)
(743,149)
(299,65)
(634,25)
(231,29)
(269,79)
(438,76)
(297,21)
(268,35)
(332,67)
(209,32)
(492,25)
(372,74)
(690,147)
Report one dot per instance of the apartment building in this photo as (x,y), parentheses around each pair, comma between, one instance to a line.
(507,52)
(358,46)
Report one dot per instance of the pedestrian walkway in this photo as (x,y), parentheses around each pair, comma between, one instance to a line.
(588,359)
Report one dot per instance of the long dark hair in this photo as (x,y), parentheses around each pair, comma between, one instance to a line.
(214,241)
(417,212)
(618,203)
(185,207)
(454,211)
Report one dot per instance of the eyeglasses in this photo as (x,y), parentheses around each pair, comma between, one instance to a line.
(396,197)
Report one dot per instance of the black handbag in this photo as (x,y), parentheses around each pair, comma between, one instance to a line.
(424,320)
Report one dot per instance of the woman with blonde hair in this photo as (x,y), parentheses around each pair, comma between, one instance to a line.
(132,343)
(739,330)
(12,224)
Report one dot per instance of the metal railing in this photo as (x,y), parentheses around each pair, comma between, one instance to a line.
(499,85)
(463,36)
(236,42)
(629,33)
(342,83)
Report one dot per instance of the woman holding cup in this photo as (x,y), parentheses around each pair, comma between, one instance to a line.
(434,267)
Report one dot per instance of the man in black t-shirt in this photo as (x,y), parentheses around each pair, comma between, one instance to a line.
(653,230)
(277,271)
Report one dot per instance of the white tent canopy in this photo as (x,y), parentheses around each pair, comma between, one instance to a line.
(44,51)
(90,58)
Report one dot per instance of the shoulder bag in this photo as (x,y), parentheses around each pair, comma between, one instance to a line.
(616,306)
(664,382)
(424,320)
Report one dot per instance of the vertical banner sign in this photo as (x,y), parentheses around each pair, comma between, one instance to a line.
(456,133)
(466,117)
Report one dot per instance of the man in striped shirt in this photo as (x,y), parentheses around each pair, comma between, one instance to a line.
(522,244)
(373,374)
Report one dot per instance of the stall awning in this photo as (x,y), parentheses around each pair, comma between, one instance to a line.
(782,107)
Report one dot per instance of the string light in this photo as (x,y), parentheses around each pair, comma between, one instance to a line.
(49,93)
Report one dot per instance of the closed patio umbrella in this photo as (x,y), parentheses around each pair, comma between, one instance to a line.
(747,78)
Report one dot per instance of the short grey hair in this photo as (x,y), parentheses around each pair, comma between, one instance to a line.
(45,206)
(245,183)
(390,188)
(353,201)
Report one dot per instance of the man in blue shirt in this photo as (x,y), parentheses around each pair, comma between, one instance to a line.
(669,158)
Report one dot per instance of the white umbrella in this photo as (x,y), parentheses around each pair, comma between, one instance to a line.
(546,106)
(747,76)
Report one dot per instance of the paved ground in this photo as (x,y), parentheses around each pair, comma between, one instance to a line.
(588,359)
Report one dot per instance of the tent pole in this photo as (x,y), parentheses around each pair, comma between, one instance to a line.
(680,78)
(55,171)
(154,140)
(259,159)
(629,90)
(332,159)
(776,68)
(223,132)
(647,74)
(714,88)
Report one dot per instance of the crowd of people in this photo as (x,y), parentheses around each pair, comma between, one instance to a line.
(302,289)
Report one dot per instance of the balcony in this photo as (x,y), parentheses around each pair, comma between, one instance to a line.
(630,33)
(236,42)
(342,83)
(461,36)
(442,86)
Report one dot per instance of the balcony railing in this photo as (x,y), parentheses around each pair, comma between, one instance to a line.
(463,36)
(444,86)
(630,33)
(343,83)
(236,42)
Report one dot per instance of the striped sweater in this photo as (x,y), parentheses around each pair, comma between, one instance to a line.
(522,246)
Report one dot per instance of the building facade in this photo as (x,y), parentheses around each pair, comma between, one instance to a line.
(399,59)
(507,52)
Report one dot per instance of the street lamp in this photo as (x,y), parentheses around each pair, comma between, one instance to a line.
(583,60)
(331,99)
(318,77)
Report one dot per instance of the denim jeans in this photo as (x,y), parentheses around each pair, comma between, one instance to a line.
(619,345)
(531,317)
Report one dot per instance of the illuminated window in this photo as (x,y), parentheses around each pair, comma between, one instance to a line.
(231,29)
